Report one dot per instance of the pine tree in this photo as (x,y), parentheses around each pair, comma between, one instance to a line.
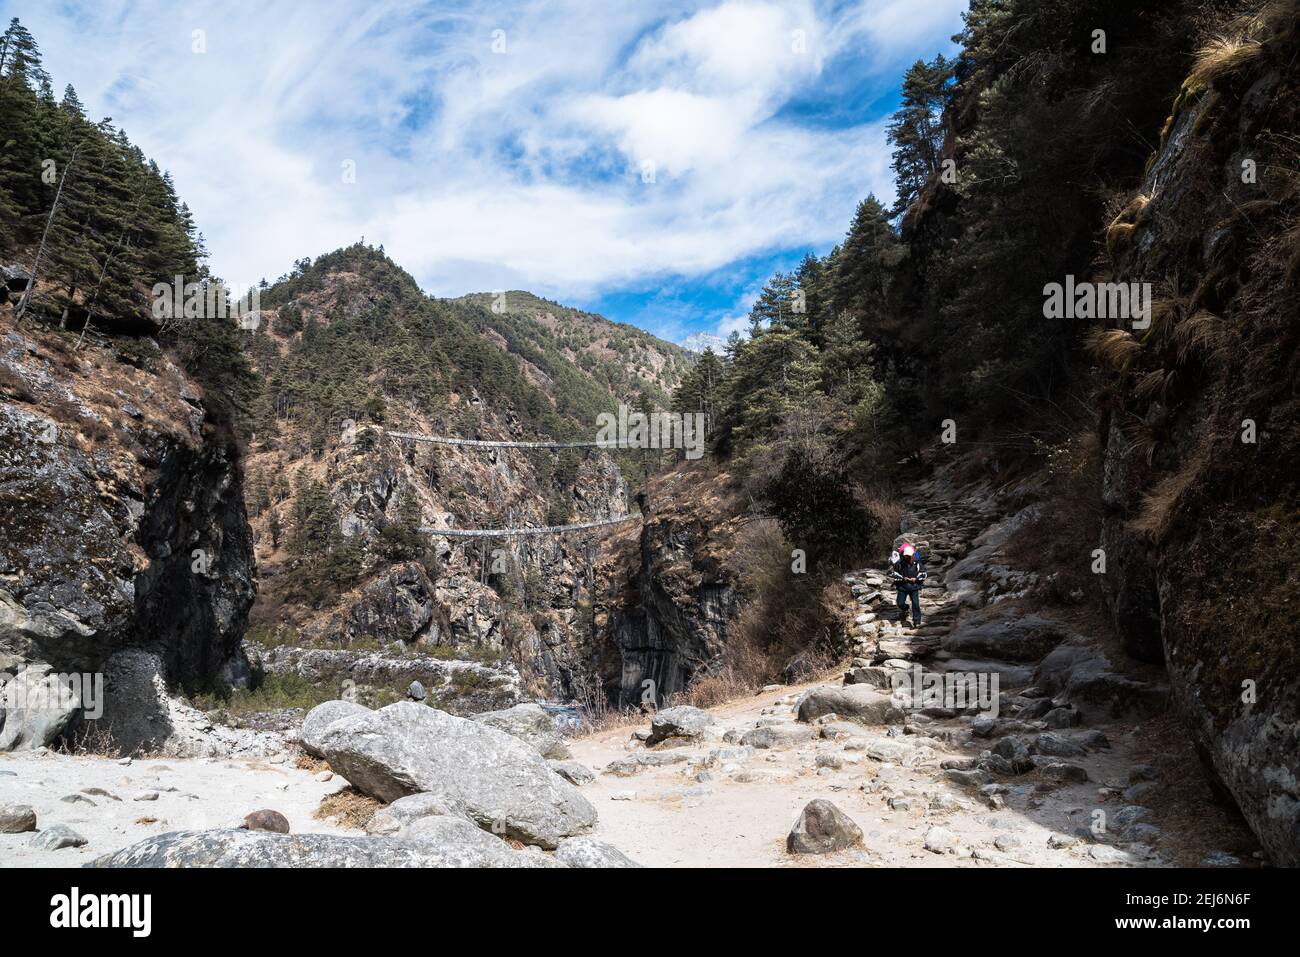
(916,131)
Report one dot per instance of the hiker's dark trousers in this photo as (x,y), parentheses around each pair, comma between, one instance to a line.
(916,603)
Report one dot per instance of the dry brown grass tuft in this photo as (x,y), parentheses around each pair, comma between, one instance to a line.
(1161,503)
(349,807)
(1119,234)
(1204,335)
(1224,56)
(1114,348)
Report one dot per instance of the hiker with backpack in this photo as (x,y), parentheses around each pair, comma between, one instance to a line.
(908,570)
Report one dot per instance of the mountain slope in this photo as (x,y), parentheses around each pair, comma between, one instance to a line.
(350,347)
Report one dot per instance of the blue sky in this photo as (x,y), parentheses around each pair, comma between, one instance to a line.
(652,161)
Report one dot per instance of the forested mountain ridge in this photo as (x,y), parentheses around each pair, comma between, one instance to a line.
(635,366)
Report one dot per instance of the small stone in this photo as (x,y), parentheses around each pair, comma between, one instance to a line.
(1006,842)
(940,840)
(125,762)
(416,691)
(1141,772)
(623,796)
(146,796)
(822,828)
(1062,841)
(266,820)
(324,776)
(1138,791)
(77,799)
(56,837)
(16,818)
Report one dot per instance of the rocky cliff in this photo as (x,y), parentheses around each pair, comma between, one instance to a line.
(122,525)
(1202,446)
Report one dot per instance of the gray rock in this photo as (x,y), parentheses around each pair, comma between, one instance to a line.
(589,852)
(822,828)
(493,778)
(939,840)
(471,846)
(1063,771)
(1130,814)
(415,691)
(777,736)
(321,717)
(683,721)
(859,703)
(530,723)
(36,706)
(56,837)
(1002,632)
(16,818)
(392,818)
(235,848)
(1082,677)
(575,772)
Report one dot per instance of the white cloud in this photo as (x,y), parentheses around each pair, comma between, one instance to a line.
(479,170)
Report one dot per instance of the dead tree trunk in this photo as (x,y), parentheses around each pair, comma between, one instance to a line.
(40,250)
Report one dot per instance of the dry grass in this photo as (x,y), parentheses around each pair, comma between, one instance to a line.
(1160,504)
(349,807)
(305,762)
(1114,348)
(888,513)
(1224,56)
(1119,234)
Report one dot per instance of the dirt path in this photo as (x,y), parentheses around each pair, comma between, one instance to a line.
(1039,785)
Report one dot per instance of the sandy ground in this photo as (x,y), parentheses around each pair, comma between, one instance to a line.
(740,814)
(191,793)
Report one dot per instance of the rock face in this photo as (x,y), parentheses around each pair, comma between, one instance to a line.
(1200,527)
(531,724)
(119,526)
(494,779)
(821,829)
(673,616)
(16,818)
(463,847)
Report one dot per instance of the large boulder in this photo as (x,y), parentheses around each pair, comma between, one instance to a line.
(860,703)
(1083,677)
(493,778)
(1002,632)
(530,723)
(321,717)
(452,847)
(36,706)
(683,721)
(822,828)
